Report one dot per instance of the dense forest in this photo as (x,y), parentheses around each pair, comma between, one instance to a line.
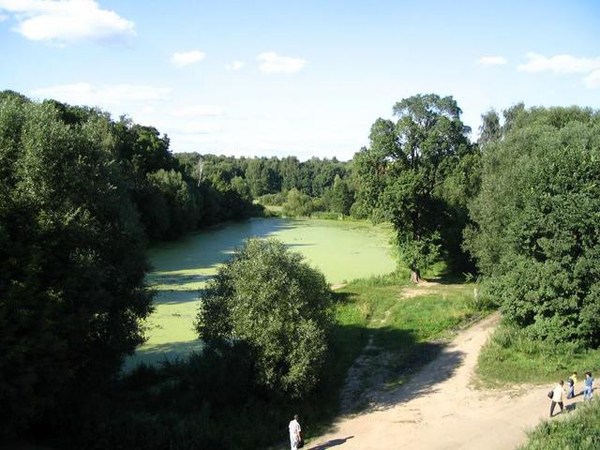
(82,195)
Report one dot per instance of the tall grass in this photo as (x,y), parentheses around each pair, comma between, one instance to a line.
(579,431)
(513,356)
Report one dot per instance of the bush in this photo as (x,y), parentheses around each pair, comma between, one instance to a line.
(267,297)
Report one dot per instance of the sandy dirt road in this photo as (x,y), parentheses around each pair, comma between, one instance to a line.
(441,410)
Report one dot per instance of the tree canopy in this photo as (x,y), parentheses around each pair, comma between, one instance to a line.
(404,175)
(537,223)
(72,259)
(267,297)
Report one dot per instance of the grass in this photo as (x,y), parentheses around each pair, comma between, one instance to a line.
(511,356)
(578,431)
(405,333)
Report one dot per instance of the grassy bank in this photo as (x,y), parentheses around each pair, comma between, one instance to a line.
(396,327)
(511,356)
(578,431)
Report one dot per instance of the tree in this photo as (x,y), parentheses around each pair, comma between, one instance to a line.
(269,298)
(341,197)
(298,204)
(262,177)
(536,237)
(490,129)
(72,262)
(181,207)
(402,175)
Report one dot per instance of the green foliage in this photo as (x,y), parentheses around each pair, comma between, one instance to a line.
(212,399)
(517,355)
(418,173)
(342,197)
(537,223)
(277,199)
(579,431)
(181,208)
(267,297)
(298,204)
(72,260)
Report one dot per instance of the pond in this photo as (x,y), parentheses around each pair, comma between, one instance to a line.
(342,251)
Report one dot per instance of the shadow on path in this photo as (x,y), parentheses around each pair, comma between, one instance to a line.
(331,443)
(442,368)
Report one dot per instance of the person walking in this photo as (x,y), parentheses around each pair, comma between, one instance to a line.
(295,430)
(557,397)
(588,386)
(572,382)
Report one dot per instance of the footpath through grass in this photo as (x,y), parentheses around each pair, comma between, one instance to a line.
(512,356)
(398,326)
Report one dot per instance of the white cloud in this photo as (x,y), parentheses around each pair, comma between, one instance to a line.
(559,64)
(492,60)
(197,111)
(235,65)
(66,21)
(271,62)
(564,64)
(186,58)
(103,96)
(3,17)
(593,80)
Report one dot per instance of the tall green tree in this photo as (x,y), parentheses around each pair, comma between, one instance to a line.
(270,299)
(341,196)
(490,129)
(401,176)
(72,262)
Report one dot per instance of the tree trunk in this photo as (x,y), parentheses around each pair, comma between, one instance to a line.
(415,275)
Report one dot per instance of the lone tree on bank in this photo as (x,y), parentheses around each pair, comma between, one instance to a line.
(271,300)
(418,174)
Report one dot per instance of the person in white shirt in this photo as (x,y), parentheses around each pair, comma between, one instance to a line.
(557,397)
(295,432)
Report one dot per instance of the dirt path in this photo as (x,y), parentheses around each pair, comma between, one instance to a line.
(440,409)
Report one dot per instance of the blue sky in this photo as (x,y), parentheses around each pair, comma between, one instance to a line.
(305,78)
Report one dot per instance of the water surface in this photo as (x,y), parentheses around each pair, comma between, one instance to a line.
(342,251)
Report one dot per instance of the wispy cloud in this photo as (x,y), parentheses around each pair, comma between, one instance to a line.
(3,17)
(492,61)
(271,62)
(564,64)
(103,96)
(66,21)
(559,64)
(235,65)
(183,59)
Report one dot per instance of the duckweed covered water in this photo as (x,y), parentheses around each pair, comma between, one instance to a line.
(342,251)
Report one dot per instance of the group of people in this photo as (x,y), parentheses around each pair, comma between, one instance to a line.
(556,394)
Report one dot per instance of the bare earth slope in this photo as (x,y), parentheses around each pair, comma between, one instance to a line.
(440,409)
